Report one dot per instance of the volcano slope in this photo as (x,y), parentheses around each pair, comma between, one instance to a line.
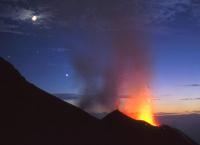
(129,131)
(30,116)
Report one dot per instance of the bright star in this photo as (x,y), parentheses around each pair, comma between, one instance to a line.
(67,75)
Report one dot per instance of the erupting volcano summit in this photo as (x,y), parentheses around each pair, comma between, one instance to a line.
(140,106)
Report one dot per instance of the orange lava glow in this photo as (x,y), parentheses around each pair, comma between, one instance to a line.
(140,106)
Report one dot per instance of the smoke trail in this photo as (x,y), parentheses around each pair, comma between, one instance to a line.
(119,59)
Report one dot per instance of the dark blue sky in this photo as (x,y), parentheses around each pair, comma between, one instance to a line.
(42,50)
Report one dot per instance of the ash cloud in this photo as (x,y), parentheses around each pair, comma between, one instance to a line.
(117,60)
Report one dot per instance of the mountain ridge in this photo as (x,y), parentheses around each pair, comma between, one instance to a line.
(30,116)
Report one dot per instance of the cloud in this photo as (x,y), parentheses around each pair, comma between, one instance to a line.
(23,15)
(165,95)
(193,85)
(166,114)
(189,99)
(60,50)
(14,15)
(161,11)
(9,28)
(65,14)
(165,15)
(197,111)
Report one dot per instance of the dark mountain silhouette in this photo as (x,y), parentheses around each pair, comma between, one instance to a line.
(188,123)
(129,131)
(30,116)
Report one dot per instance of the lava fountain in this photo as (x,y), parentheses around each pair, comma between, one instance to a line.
(140,106)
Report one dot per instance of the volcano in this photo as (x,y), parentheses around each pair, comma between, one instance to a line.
(128,131)
(31,116)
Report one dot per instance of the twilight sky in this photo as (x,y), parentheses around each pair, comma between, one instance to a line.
(41,50)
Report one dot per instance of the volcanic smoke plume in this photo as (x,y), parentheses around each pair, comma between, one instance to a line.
(117,61)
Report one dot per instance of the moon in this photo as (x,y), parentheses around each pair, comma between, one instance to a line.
(34,18)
